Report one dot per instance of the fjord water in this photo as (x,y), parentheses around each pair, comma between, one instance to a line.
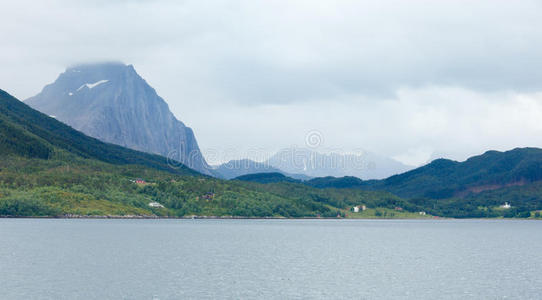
(247,259)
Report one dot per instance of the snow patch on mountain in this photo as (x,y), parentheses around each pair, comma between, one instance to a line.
(92,85)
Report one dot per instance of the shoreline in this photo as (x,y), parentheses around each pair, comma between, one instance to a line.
(131,217)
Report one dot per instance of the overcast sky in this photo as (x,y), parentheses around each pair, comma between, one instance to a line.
(413,80)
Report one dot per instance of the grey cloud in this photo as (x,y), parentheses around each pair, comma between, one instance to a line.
(246,73)
(287,51)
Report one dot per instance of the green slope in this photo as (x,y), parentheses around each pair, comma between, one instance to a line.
(335,182)
(444,178)
(271,177)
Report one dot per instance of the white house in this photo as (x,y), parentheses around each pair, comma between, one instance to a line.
(358,208)
(156,205)
(506,205)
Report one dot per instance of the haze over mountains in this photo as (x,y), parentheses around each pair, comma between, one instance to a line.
(111,102)
(236,168)
(303,163)
(364,165)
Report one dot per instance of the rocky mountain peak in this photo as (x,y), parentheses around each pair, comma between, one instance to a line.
(111,102)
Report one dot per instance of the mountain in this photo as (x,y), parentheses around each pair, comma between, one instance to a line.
(444,178)
(266,178)
(236,168)
(29,133)
(335,182)
(111,102)
(313,164)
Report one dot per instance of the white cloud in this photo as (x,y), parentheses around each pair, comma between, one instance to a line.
(403,78)
(418,125)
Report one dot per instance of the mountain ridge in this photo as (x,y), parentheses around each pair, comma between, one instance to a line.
(444,178)
(240,167)
(311,163)
(111,102)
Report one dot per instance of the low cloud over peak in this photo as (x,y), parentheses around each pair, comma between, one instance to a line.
(404,78)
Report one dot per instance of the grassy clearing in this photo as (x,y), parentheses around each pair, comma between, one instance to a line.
(385,213)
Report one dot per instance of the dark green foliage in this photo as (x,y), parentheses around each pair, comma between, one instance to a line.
(266,178)
(321,199)
(25,205)
(443,178)
(334,182)
(14,140)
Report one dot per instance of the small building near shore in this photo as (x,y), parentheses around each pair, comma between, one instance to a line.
(156,205)
(506,205)
(359,208)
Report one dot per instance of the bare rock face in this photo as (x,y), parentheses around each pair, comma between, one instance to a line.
(112,103)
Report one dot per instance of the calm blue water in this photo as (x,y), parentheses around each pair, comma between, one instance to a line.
(280,259)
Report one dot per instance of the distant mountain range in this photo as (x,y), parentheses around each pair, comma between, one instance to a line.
(236,168)
(311,163)
(304,164)
(308,162)
(111,102)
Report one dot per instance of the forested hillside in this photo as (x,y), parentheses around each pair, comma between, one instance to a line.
(445,178)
